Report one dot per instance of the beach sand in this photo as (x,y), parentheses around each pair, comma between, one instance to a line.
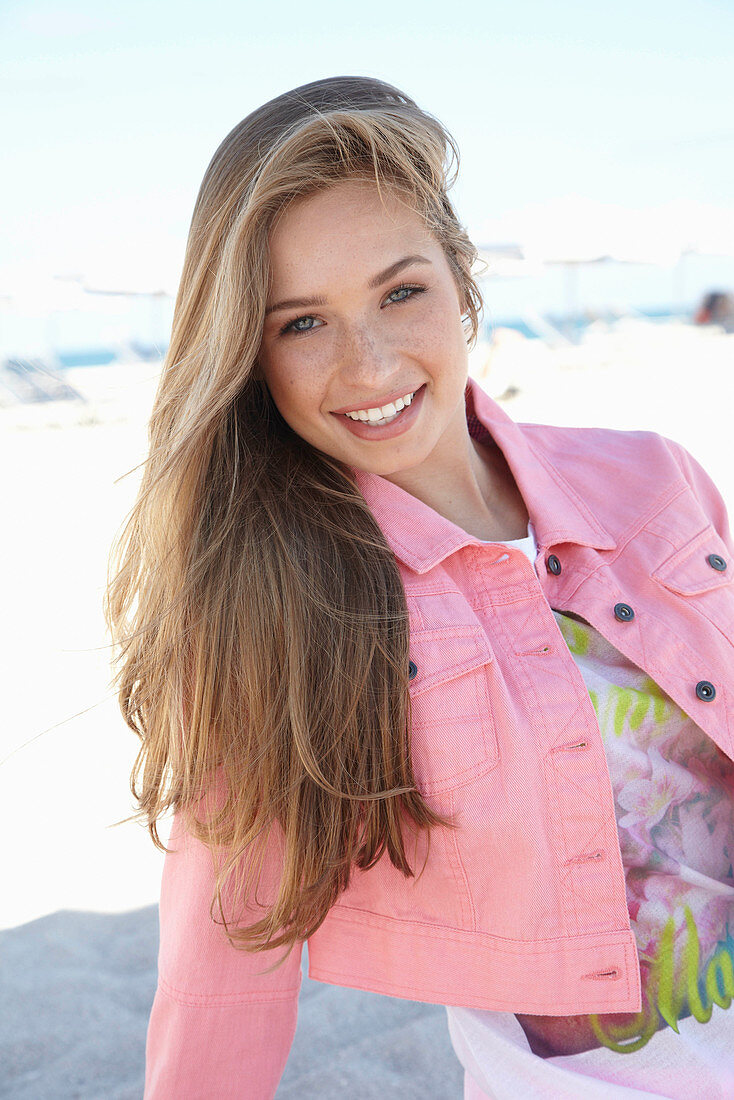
(78,911)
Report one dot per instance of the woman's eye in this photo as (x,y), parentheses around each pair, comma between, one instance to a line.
(411,291)
(295,326)
(292,326)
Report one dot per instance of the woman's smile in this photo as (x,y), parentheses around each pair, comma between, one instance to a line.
(380,423)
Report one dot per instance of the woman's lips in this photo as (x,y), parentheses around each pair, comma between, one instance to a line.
(400,424)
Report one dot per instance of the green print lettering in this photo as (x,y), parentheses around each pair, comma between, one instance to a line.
(665,998)
(627,699)
(720,966)
(659,700)
(628,708)
(575,636)
(624,707)
(663,977)
(640,1030)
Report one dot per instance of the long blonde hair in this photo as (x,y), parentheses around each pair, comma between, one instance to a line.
(257,613)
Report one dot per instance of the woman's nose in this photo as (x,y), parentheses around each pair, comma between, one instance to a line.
(368,359)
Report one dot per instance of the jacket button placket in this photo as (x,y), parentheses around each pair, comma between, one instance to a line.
(624,613)
(585,862)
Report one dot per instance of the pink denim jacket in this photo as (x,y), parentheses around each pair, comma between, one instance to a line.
(523,908)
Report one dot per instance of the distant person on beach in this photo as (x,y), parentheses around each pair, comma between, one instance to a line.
(717,308)
(444,696)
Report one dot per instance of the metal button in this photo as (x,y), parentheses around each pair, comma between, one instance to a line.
(412,670)
(553,565)
(705,690)
(623,612)
(716,562)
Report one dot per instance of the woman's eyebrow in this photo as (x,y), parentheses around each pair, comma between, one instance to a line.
(377,280)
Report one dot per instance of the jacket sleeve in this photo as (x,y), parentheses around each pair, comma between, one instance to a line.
(218,1027)
(705,491)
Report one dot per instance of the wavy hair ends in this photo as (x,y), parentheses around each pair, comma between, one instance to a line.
(257,612)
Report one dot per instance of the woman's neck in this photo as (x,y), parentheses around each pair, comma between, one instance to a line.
(473,488)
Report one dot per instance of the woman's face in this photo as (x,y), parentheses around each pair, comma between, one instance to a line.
(363,310)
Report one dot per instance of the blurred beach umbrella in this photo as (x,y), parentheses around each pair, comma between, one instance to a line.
(576,229)
(573,232)
(37,292)
(40,298)
(507,261)
(577,251)
(156,271)
(131,288)
(124,281)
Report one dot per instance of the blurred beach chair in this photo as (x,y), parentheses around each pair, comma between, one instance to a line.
(25,381)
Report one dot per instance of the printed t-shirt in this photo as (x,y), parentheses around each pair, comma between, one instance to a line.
(674,799)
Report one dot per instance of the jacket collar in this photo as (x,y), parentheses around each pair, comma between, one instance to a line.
(421,538)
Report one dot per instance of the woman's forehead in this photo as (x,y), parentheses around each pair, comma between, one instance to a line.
(348,199)
(346,221)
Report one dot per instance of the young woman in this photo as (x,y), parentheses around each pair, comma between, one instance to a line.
(446,696)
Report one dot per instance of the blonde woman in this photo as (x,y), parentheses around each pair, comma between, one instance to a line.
(447,697)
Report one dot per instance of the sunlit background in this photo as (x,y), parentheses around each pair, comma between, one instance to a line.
(596,149)
(597,180)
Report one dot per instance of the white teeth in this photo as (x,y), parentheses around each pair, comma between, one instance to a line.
(386,413)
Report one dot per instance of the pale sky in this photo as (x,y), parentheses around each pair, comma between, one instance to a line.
(110,118)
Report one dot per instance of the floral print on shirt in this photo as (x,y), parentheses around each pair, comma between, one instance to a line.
(674,802)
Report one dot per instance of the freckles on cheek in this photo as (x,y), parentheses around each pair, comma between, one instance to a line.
(300,388)
(432,342)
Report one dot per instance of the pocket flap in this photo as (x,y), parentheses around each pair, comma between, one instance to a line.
(445,653)
(689,572)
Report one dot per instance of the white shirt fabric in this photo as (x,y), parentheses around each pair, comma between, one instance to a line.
(674,802)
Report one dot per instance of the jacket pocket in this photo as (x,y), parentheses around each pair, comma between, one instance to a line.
(702,585)
(690,572)
(454,739)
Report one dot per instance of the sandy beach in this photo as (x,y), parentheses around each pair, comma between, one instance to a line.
(78,915)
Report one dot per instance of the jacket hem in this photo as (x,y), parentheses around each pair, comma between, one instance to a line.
(598,972)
